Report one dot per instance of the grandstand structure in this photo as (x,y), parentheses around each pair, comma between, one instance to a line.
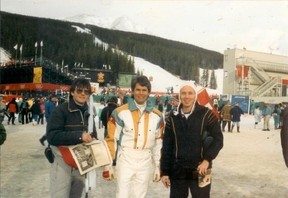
(261,76)
(45,76)
(19,78)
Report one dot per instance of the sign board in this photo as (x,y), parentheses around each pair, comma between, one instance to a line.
(242,100)
(125,80)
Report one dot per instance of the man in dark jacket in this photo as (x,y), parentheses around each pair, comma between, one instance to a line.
(192,139)
(49,108)
(24,111)
(68,125)
(106,112)
(236,113)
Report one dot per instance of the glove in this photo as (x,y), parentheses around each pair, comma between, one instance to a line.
(156,175)
(108,173)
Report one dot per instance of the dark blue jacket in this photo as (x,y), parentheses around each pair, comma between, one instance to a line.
(67,123)
(236,112)
(49,107)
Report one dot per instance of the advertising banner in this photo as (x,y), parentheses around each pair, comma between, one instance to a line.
(242,100)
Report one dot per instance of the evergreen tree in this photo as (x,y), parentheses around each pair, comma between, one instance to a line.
(204,78)
(213,80)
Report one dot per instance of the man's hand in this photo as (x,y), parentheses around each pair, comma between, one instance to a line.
(108,173)
(156,175)
(166,181)
(203,167)
(86,137)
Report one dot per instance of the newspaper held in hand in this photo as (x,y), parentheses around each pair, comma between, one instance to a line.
(204,180)
(89,156)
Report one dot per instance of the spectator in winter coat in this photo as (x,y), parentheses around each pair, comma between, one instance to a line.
(42,111)
(24,111)
(236,113)
(35,110)
(226,116)
(106,112)
(257,116)
(192,139)
(12,107)
(49,108)
(276,116)
(267,112)
(174,102)
(20,100)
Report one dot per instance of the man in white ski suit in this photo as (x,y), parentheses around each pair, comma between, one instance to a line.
(137,128)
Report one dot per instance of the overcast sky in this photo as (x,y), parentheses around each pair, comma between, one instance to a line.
(214,25)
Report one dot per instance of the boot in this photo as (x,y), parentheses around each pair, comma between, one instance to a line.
(42,139)
(238,129)
(232,128)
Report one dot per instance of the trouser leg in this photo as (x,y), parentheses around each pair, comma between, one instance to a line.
(224,125)
(134,168)
(124,180)
(179,188)
(229,126)
(232,128)
(13,118)
(65,182)
(198,192)
(141,182)
(9,118)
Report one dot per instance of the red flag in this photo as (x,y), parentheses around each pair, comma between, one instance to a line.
(204,100)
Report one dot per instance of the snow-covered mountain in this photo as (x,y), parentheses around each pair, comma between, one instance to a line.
(123,23)
(162,79)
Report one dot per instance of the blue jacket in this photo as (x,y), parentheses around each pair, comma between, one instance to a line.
(236,112)
(49,107)
(67,123)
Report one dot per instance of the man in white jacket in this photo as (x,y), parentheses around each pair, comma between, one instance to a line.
(137,128)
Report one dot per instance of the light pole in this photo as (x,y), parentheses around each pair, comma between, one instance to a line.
(20,54)
(16,47)
(36,46)
(66,67)
(41,45)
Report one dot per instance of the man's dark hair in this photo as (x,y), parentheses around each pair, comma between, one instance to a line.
(79,83)
(113,99)
(143,81)
(52,96)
